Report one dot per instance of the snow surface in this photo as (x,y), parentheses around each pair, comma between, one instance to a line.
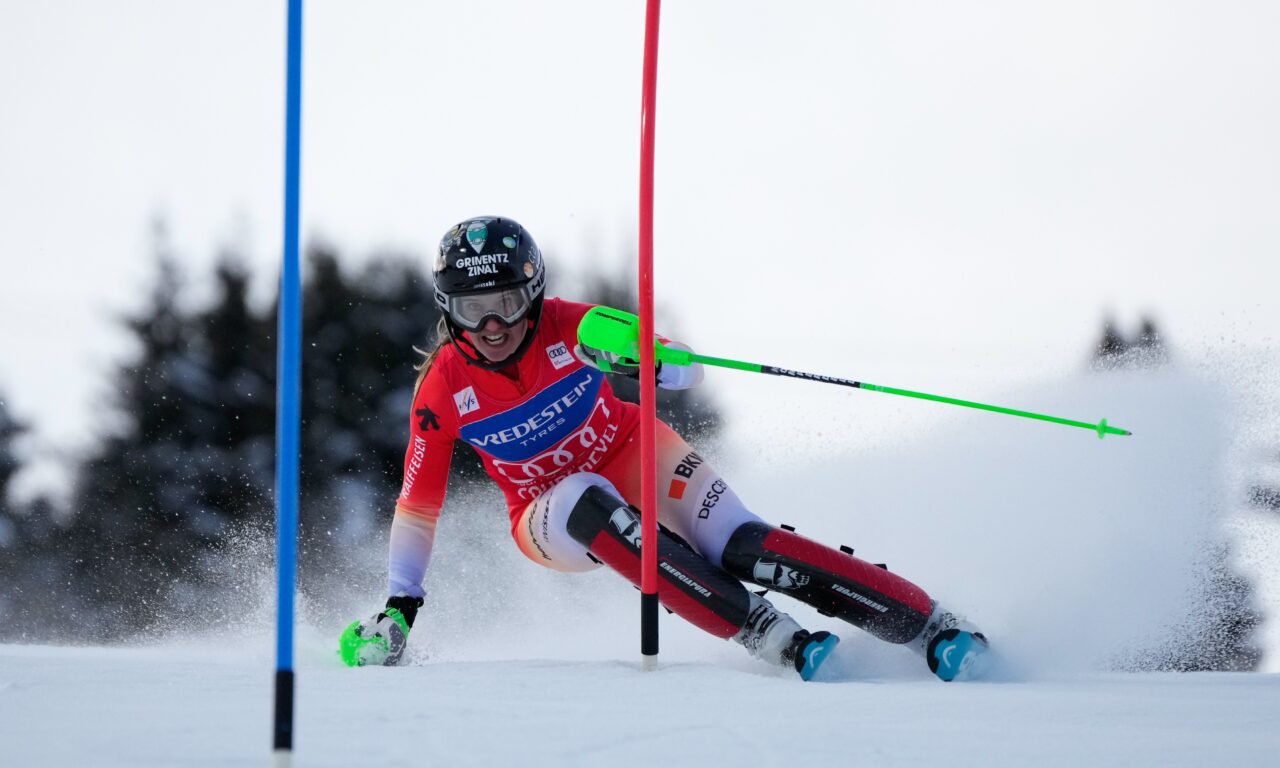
(1078,557)
(208,705)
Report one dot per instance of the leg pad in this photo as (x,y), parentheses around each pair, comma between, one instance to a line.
(836,583)
(688,584)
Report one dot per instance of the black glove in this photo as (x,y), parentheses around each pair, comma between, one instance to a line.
(408,606)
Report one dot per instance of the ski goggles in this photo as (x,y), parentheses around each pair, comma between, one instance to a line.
(472,310)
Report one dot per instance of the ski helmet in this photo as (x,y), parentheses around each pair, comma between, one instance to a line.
(489,267)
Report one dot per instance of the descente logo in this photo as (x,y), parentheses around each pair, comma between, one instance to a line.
(466,401)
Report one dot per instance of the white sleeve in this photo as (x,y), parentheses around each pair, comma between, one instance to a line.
(412,537)
(679,376)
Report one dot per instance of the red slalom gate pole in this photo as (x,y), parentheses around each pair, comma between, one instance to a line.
(648,378)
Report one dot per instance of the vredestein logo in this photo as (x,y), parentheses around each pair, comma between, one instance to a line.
(567,403)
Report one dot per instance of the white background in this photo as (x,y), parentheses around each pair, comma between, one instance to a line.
(936,196)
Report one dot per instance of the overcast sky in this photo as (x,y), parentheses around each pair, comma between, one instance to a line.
(932,195)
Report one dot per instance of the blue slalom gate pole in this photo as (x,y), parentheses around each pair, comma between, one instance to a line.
(288,395)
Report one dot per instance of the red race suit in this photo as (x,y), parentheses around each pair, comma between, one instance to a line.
(557,417)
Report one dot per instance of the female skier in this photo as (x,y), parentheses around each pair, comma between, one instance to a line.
(508,378)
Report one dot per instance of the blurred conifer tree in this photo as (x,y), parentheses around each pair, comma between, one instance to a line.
(184,468)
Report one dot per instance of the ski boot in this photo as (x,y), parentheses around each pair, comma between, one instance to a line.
(953,648)
(772,636)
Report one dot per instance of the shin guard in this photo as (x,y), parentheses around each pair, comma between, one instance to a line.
(688,584)
(837,584)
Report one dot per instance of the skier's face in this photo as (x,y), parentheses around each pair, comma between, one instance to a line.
(496,341)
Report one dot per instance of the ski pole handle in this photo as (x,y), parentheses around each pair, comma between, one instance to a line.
(618,332)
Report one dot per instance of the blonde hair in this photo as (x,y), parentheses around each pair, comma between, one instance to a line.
(438,343)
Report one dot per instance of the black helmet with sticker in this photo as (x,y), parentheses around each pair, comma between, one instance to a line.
(489,267)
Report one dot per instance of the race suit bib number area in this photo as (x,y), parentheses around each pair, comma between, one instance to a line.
(582,450)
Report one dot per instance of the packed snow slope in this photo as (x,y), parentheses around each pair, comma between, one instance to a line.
(1087,562)
(210,706)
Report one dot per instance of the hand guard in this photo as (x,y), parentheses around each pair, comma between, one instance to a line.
(380,640)
(609,362)
(668,376)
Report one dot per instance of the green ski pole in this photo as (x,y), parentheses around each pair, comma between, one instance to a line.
(618,332)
